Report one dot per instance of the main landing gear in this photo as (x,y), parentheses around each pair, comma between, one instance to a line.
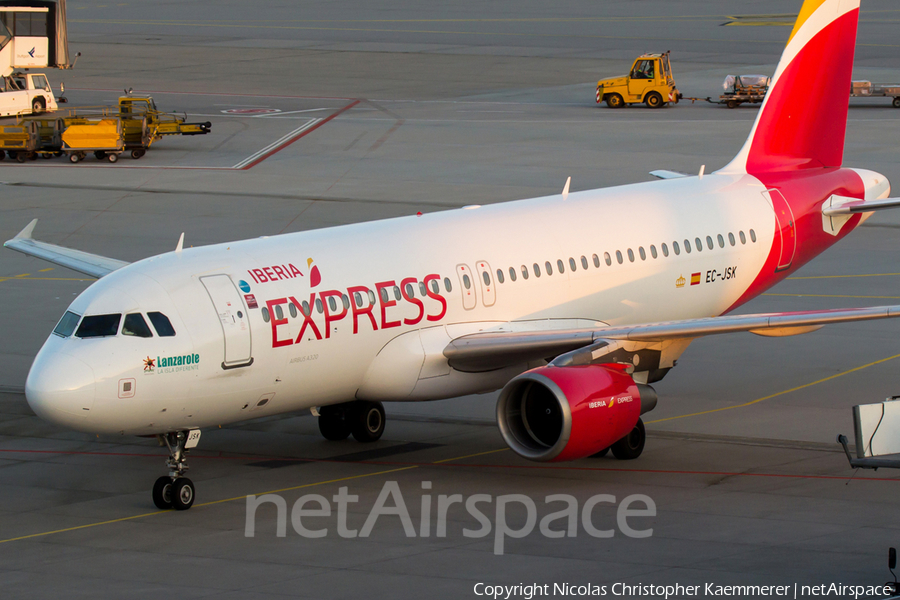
(630,446)
(174,490)
(364,420)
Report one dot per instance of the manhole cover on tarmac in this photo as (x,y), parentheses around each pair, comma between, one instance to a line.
(250,111)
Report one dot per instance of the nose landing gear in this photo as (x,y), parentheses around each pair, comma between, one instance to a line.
(174,490)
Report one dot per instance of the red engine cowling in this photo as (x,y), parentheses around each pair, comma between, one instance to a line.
(565,413)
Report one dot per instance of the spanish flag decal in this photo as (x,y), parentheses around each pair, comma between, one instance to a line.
(695,278)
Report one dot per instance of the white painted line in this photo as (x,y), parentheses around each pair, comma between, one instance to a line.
(276,143)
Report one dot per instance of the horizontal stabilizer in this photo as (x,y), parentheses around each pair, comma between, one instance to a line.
(850,206)
(83,262)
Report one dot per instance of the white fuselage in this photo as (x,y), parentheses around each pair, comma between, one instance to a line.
(392,350)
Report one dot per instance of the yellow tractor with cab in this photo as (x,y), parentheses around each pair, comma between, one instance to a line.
(650,81)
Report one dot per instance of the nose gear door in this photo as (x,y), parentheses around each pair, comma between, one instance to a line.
(233,319)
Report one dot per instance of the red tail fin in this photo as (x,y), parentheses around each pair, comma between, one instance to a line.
(803,119)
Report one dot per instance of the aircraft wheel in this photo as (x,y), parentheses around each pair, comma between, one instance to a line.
(182,493)
(162,493)
(367,421)
(654,100)
(332,424)
(631,446)
(600,454)
(615,101)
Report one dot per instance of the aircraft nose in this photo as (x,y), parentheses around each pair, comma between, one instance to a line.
(60,388)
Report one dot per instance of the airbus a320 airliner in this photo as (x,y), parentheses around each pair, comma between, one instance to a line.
(571,304)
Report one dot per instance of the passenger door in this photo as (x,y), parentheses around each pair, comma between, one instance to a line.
(466,286)
(233,318)
(486,280)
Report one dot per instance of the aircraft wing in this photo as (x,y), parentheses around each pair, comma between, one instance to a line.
(664,174)
(83,262)
(491,350)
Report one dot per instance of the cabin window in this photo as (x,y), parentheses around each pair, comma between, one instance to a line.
(721,240)
(752,236)
(486,277)
(731,238)
(597,260)
(279,314)
(548,267)
(584,263)
(98,326)
(136,325)
(466,282)
(371,295)
(665,249)
(292,308)
(384,295)
(500,277)
(425,291)
(161,324)
(436,288)
(709,242)
(572,265)
(630,255)
(687,246)
(742,236)
(653,251)
(265,314)
(305,308)
(537,270)
(358,299)
(642,253)
(512,274)
(606,258)
(699,244)
(676,248)
(398,295)
(560,266)
(447,287)
(524,272)
(619,257)
(345,301)
(410,293)
(319,306)
(67,324)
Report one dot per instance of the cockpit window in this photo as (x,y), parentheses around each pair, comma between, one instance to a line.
(136,325)
(162,324)
(98,326)
(67,324)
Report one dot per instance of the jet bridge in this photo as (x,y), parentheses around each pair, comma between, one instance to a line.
(33,34)
(877,432)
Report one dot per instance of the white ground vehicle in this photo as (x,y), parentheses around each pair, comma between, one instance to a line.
(24,93)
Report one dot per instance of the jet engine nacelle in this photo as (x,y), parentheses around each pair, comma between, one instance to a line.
(565,413)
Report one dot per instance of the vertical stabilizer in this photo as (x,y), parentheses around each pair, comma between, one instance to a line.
(803,120)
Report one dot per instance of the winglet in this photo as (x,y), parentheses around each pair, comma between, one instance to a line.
(180,243)
(565,192)
(25,234)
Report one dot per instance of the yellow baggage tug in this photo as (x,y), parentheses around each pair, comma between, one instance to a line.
(650,81)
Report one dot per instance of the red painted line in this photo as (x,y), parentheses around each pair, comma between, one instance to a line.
(466,466)
(290,141)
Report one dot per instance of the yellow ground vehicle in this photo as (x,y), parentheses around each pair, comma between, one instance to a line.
(144,124)
(102,136)
(650,81)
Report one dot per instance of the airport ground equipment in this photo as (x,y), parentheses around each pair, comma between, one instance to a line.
(18,141)
(650,81)
(26,93)
(740,89)
(877,432)
(102,136)
(867,89)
